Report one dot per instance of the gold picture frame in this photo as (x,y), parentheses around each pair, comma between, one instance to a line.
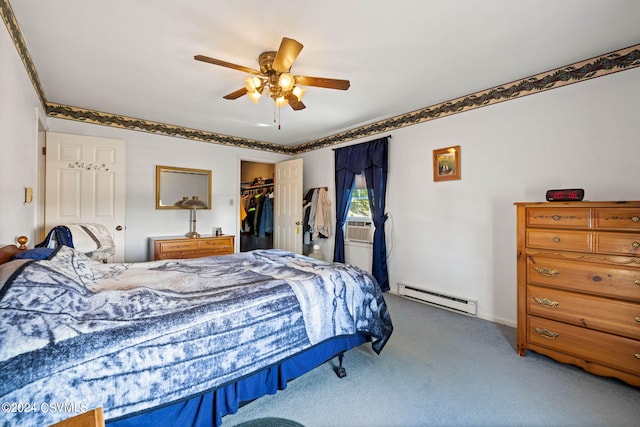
(446,164)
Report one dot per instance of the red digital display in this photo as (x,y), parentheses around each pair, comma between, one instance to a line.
(567,195)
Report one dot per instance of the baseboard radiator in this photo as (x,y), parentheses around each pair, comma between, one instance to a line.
(439,299)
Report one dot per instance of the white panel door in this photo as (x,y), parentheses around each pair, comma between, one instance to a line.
(287,211)
(85,183)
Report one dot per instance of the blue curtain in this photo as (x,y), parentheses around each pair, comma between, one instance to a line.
(370,158)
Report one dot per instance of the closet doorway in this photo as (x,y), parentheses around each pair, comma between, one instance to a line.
(256,205)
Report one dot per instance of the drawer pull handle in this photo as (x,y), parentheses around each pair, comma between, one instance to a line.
(637,356)
(546,333)
(546,271)
(556,239)
(549,303)
(635,218)
(638,319)
(556,217)
(636,245)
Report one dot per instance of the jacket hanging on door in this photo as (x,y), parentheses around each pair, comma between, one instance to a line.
(317,220)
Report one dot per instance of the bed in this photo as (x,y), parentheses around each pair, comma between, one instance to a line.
(172,342)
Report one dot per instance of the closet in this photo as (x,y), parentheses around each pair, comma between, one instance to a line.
(256,205)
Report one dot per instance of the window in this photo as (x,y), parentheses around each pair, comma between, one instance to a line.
(359,205)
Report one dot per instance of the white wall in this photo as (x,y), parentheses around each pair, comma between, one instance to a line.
(18,143)
(458,237)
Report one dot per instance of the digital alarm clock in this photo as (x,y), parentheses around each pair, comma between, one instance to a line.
(565,195)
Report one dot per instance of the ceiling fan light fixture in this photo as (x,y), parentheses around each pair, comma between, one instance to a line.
(299,92)
(281,101)
(252,84)
(254,96)
(286,82)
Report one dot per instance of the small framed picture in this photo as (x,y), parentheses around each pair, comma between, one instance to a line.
(446,164)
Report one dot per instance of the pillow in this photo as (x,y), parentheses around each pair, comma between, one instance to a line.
(36,253)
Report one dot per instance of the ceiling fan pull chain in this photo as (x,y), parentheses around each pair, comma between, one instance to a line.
(274,114)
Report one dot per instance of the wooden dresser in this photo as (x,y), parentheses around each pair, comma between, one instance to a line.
(171,247)
(579,284)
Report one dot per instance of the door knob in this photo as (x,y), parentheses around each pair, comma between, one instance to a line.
(119,228)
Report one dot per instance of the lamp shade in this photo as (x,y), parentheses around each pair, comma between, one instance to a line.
(193,203)
(181,201)
(254,96)
(251,84)
(299,92)
(286,82)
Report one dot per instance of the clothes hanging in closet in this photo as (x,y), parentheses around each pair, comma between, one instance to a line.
(257,218)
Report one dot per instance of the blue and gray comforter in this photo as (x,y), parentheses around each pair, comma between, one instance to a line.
(130,337)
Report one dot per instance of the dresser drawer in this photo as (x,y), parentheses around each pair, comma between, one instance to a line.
(602,314)
(218,245)
(562,240)
(599,347)
(180,246)
(559,217)
(617,218)
(598,279)
(618,243)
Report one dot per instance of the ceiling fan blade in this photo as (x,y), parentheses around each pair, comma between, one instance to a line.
(287,53)
(225,64)
(236,94)
(323,82)
(294,102)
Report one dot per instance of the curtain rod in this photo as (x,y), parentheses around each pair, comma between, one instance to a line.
(388,136)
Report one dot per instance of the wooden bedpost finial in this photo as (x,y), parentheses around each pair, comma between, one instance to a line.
(22,240)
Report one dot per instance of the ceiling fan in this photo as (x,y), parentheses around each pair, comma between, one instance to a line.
(274,78)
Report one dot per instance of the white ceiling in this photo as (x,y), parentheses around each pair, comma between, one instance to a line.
(135,58)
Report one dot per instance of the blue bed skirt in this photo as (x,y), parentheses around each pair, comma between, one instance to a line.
(209,408)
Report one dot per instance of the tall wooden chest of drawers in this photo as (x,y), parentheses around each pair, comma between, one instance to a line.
(579,284)
(184,247)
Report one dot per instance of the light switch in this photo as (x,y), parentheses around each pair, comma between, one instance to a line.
(28,195)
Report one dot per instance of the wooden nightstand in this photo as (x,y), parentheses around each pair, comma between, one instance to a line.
(172,247)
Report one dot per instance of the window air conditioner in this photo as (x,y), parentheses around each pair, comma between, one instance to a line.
(359,231)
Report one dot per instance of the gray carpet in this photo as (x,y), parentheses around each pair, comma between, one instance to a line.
(446,369)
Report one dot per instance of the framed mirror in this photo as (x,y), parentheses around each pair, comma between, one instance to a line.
(174,184)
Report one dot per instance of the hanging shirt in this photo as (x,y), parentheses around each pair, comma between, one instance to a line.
(266,220)
(322,225)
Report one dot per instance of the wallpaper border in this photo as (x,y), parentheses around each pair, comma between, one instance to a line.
(598,66)
(21,46)
(115,120)
(613,62)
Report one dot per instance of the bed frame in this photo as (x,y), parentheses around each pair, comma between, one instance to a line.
(208,409)
(9,251)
